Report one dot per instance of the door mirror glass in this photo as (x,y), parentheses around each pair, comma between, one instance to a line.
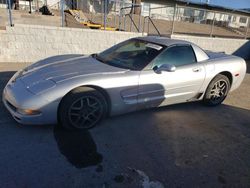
(164,67)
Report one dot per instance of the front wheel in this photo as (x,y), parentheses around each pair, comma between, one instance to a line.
(82,108)
(217,90)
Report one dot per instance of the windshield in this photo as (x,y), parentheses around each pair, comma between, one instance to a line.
(133,54)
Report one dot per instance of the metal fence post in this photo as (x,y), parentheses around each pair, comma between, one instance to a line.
(131,18)
(30,11)
(115,15)
(105,13)
(37,6)
(149,16)
(140,18)
(10,14)
(120,16)
(175,8)
(91,12)
(248,25)
(62,12)
(212,27)
(124,15)
(124,24)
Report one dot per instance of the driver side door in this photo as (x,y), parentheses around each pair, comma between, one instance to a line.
(171,87)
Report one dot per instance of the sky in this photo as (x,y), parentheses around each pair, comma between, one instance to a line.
(236,4)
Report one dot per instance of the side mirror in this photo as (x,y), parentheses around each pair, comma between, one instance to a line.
(164,67)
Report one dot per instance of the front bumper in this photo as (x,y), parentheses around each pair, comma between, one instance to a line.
(16,96)
(20,118)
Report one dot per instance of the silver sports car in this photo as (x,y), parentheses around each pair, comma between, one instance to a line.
(77,91)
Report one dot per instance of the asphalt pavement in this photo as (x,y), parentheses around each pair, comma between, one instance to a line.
(184,145)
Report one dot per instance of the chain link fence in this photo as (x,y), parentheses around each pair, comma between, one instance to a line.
(173,19)
(123,15)
(210,23)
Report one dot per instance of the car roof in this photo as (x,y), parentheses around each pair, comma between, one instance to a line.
(165,41)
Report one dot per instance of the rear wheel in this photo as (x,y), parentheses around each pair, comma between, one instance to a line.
(82,108)
(217,90)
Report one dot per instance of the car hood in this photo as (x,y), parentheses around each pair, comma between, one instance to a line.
(60,68)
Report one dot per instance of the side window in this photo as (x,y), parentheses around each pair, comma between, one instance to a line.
(176,55)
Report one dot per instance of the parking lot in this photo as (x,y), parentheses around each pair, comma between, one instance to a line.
(184,145)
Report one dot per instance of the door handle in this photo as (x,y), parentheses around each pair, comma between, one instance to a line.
(196,69)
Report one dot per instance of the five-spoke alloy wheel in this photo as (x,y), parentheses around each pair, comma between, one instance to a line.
(82,108)
(217,90)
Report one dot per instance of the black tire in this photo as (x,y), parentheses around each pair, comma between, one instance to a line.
(217,90)
(82,108)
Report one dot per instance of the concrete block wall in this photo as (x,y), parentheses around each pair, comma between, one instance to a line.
(239,47)
(30,43)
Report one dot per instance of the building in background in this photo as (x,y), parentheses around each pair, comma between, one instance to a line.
(158,9)
(195,12)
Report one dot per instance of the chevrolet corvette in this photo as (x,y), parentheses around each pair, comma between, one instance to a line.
(77,91)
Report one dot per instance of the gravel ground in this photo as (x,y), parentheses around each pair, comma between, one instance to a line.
(185,145)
